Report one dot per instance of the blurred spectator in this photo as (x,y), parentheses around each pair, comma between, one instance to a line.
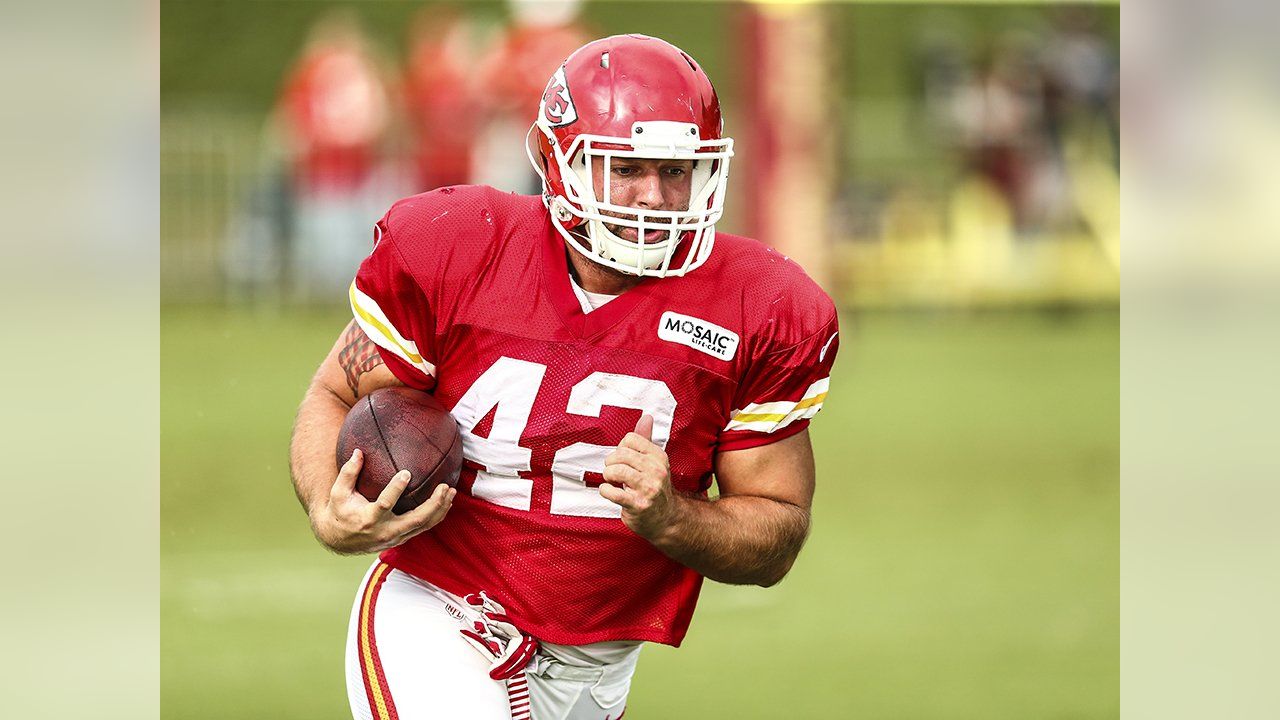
(440,97)
(1081,70)
(1009,116)
(327,130)
(513,74)
(336,107)
(999,114)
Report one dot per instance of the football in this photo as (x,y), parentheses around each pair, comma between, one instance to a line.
(402,429)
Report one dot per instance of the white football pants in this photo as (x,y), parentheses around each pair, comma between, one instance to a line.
(407,661)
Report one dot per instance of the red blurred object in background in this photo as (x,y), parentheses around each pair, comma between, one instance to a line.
(336,108)
(440,97)
(513,75)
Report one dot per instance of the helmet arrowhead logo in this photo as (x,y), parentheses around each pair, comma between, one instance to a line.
(557,106)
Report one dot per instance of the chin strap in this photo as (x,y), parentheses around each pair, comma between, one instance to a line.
(496,638)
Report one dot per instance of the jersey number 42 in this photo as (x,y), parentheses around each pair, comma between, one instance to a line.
(511,386)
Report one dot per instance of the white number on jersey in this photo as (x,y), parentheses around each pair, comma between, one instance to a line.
(571,495)
(511,386)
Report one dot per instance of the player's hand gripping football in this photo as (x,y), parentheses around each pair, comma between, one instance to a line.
(348,523)
(637,476)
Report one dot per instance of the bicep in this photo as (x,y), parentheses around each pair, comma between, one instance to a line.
(781,471)
(353,367)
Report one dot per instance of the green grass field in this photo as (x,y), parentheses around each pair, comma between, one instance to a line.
(964,561)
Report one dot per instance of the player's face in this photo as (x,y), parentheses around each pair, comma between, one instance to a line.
(645,185)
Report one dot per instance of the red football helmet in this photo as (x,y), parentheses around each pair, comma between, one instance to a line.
(631,96)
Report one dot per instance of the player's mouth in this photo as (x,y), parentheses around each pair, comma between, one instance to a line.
(630,234)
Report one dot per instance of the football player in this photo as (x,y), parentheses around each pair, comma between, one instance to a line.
(606,355)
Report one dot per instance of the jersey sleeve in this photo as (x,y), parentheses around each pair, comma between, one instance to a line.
(394,312)
(784,387)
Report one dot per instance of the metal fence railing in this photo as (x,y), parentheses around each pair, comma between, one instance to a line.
(207,167)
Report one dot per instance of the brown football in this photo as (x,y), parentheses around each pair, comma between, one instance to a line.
(402,429)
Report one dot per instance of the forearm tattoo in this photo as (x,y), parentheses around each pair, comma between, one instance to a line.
(358,355)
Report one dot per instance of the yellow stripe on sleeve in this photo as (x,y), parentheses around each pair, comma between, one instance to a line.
(744,417)
(387,333)
(375,324)
(768,417)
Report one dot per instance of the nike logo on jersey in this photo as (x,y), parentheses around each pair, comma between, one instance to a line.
(822,354)
(698,334)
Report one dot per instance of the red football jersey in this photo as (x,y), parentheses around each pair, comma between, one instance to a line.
(467,294)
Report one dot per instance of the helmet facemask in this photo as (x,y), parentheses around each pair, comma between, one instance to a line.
(582,216)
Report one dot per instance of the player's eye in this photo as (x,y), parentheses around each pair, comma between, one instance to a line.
(623,170)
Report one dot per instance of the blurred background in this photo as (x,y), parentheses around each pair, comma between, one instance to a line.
(949,172)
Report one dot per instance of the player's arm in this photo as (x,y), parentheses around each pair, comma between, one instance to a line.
(750,535)
(341,518)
